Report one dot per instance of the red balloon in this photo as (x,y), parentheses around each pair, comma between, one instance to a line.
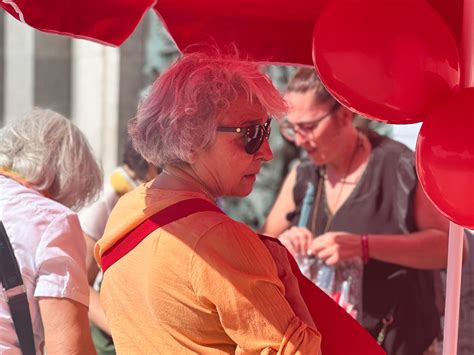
(445,157)
(452,13)
(388,60)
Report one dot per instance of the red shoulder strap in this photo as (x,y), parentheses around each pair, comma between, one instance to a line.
(161,218)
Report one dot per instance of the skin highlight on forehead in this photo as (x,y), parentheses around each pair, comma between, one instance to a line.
(302,108)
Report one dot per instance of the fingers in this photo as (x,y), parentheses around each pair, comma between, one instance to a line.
(333,247)
(321,243)
(288,244)
(332,260)
(297,240)
(326,253)
(303,238)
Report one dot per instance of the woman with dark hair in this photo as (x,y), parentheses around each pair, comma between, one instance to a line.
(179,275)
(366,205)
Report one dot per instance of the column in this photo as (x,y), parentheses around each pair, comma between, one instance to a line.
(95,82)
(18,94)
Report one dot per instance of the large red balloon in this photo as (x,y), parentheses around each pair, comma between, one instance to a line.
(445,157)
(389,60)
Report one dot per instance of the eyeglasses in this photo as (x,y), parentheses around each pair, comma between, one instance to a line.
(254,135)
(289,130)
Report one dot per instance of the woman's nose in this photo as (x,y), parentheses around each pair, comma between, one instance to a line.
(300,139)
(265,152)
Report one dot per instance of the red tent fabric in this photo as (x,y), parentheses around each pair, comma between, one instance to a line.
(266,30)
(104,21)
(278,31)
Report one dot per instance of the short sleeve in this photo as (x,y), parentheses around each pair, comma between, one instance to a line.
(94,217)
(292,290)
(232,271)
(60,261)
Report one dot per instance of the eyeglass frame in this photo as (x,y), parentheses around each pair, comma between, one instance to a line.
(266,129)
(311,125)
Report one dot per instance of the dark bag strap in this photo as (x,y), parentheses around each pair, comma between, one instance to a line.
(167,215)
(15,294)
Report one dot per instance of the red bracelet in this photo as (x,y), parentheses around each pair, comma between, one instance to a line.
(364,239)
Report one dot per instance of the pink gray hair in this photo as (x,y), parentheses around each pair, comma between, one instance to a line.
(178,118)
(53,155)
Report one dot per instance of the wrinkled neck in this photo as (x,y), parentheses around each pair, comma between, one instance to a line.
(183,178)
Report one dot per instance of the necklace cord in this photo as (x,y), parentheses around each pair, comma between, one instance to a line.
(321,178)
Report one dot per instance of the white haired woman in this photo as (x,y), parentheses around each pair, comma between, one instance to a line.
(46,169)
(179,275)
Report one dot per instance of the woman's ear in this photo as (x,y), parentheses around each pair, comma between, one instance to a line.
(344,116)
(192,157)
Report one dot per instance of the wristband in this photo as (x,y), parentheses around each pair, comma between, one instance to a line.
(364,239)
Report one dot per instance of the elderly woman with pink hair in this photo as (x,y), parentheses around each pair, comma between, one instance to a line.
(179,275)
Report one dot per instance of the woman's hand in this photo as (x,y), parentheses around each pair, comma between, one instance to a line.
(333,247)
(297,240)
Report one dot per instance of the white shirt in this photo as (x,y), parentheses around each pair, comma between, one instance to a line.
(49,246)
(94,217)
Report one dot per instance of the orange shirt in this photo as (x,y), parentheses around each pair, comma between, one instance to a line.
(204,284)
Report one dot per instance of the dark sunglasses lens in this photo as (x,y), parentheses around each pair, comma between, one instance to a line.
(255,137)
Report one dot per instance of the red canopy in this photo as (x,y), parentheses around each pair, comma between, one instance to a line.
(277,31)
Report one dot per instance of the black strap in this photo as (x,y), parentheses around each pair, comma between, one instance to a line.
(15,293)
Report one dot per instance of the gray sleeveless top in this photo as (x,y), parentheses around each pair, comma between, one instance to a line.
(383,203)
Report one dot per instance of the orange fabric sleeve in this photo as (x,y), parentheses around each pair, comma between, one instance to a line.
(233,272)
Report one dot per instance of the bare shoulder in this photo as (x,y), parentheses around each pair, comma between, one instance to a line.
(426,214)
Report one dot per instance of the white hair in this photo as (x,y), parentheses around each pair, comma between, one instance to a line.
(179,116)
(53,155)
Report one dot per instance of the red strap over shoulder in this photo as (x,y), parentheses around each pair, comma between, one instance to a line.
(161,218)
(341,334)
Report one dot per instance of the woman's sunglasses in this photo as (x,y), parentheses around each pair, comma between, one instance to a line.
(254,135)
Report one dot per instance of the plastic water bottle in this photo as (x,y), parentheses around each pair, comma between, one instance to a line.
(325,277)
(313,268)
(350,290)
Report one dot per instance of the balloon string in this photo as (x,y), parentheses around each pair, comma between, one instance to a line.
(453,289)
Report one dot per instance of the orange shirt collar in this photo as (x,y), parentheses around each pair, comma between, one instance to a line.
(21,180)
